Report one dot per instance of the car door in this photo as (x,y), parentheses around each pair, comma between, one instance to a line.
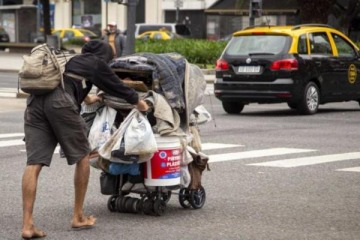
(349,66)
(321,54)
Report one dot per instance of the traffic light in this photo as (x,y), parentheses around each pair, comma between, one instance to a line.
(255,10)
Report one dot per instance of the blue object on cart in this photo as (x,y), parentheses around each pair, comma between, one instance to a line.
(124,168)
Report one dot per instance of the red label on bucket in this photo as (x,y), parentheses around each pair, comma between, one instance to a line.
(165,164)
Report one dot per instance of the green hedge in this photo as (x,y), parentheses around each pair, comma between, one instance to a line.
(197,51)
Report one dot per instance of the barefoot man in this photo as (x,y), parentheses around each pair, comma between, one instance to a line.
(54,118)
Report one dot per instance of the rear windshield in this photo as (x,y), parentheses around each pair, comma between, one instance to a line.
(257,44)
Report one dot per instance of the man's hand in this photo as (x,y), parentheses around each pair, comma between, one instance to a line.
(89,99)
(142,106)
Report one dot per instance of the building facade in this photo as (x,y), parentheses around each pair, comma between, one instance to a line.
(210,19)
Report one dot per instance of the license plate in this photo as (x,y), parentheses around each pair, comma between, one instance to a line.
(249,69)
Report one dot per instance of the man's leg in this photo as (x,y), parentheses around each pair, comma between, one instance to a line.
(81,180)
(29,184)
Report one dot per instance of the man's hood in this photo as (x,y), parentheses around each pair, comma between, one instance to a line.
(100,49)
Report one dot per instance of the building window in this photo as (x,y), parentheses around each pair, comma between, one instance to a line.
(87,14)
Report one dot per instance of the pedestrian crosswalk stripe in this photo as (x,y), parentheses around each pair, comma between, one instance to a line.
(9,143)
(9,135)
(256,154)
(211,146)
(353,169)
(304,161)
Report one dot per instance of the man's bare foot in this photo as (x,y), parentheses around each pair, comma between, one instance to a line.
(33,233)
(84,223)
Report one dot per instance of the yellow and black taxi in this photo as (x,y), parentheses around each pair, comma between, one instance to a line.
(67,34)
(304,65)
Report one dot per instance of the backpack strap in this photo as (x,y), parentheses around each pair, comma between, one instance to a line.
(77,78)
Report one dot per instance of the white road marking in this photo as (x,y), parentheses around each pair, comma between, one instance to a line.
(211,146)
(9,135)
(305,161)
(10,143)
(7,95)
(353,169)
(255,154)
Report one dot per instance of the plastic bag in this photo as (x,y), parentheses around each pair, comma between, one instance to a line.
(111,148)
(139,137)
(185,176)
(100,130)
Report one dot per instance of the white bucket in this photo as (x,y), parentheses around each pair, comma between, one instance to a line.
(163,169)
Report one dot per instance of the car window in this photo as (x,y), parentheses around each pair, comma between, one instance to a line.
(344,48)
(319,43)
(302,45)
(57,33)
(145,36)
(157,36)
(68,34)
(253,44)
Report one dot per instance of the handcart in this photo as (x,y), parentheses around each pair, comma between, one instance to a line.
(168,75)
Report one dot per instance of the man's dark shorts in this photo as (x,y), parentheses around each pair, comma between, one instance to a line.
(51,119)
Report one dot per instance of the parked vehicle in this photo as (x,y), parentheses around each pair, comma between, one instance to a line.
(304,66)
(4,37)
(180,29)
(158,35)
(71,34)
(67,34)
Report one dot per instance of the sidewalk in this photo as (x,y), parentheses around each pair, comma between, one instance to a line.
(12,62)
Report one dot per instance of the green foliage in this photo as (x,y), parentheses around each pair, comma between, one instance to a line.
(196,51)
(74,42)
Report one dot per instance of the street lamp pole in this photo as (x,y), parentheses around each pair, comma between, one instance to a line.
(178,5)
(130,32)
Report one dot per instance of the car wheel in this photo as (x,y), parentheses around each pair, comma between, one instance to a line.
(309,103)
(233,107)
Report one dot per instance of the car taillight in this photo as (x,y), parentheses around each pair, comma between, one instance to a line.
(222,65)
(86,38)
(285,64)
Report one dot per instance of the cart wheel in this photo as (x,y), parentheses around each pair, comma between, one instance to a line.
(159,207)
(165,196)
(131,205)
(197,198)
(111,204)
(148,207)
(184,198)
(118,203)
(122,208)
(137,206)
